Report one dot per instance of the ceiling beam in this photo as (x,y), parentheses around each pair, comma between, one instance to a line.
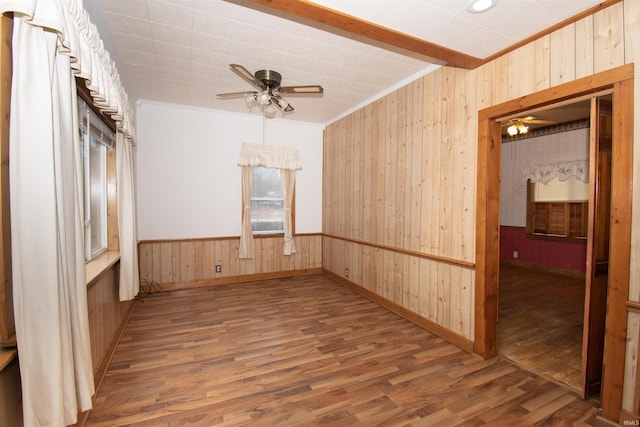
(324,15)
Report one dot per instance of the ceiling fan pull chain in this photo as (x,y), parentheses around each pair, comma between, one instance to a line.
(264,126)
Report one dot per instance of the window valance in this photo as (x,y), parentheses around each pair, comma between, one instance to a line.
(270,156)
(563,171)
(80,40)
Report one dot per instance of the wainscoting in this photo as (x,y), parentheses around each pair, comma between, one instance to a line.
(176,264)
(107,317)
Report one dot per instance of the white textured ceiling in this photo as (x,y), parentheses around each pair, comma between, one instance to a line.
(179,51)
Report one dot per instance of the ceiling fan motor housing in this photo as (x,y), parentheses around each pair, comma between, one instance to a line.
(271,79)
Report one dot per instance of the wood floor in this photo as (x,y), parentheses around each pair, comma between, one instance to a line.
(540,322)
(308,351)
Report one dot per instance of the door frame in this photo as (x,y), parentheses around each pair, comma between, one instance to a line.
(620,82)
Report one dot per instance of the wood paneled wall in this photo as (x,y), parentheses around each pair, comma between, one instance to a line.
(10,390)
(176,264)
(400,177)
(400,173)
(438,291)
(107,317)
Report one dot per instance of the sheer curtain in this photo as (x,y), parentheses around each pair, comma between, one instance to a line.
(53,41)
(287,159)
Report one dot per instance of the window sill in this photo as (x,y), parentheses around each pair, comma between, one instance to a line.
(100,264)
(266,235)
(557,238)
(6,357)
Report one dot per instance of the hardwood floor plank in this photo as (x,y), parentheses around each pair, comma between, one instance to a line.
(308,351)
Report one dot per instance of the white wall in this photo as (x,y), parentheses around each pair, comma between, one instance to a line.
(518,154)
(189,184)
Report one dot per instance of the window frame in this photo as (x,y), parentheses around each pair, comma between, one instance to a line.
(109,229)
(293,210)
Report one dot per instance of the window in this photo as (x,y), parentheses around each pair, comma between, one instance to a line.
(95,138)
(558,208)
(555,190)
(267,201)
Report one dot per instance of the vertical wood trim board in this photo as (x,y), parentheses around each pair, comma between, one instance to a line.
(631,389)
(7,326)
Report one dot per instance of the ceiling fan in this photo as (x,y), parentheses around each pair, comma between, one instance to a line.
(518,125)
(268,90)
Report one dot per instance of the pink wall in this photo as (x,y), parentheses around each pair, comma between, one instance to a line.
(566,256)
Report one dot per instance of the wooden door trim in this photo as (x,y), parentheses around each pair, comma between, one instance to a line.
(620,81)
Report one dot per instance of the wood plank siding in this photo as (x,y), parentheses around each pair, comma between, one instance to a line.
(400,177)
(107,317)
(175,264)
(390,189)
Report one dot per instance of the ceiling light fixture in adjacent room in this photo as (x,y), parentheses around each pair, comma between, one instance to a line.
(479,6)
(517,128)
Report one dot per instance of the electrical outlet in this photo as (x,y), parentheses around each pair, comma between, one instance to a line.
(218,268)
(346,272)
(515,254)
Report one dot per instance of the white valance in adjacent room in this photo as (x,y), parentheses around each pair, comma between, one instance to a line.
(563,171)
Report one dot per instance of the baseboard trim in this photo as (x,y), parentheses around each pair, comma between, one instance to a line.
(444,333)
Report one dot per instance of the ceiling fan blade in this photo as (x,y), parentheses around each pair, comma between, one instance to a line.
(281,103)
(535,120)
(247,76)
(301,89)
(235,94)
(540,122)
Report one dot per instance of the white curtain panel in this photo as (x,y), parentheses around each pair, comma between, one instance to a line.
(247,246)
(50,295)
(53,41)
(127,229)
(287,159)
(288,178)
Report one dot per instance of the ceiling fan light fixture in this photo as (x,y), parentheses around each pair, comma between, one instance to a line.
(268,89)
(480,6)
(264,98)
(522,129)
(512,130)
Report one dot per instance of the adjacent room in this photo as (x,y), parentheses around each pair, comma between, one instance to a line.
(327,212)
(544,177)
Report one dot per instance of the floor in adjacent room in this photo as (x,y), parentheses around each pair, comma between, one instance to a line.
(540,322)
(309,351)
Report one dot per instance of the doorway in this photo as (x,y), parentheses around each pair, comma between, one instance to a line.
(544,210)
(620,82)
